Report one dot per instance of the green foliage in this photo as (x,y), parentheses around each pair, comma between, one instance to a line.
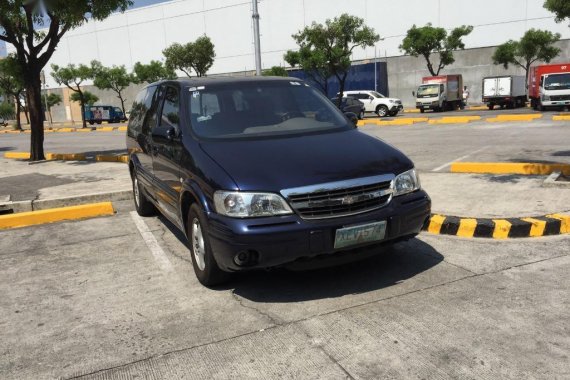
(11,79)
(88,98)
(71,75)
(52,100)
(113,78)
(325,50)
(197,56)
(7,111)
(561,8)
(152,72)
(275,71)
(535,45)
(428,40)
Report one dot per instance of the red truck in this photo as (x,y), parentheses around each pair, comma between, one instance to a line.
(549,86)
(444,92)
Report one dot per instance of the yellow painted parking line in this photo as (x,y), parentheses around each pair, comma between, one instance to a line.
(17,155)
(564,222)
(435,223)
(467,228)
(502,229)
(509,168)
(31,218)
(537,228)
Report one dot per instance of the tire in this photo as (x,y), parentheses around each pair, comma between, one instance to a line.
(361,115)
(490,106)
(91,122)
(422,110)
(205,267)
(394,113)
(382,111)
(143,206)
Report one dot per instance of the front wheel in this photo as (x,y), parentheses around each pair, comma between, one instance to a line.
(422,110)
(143,206)
(205,267)
(382,111)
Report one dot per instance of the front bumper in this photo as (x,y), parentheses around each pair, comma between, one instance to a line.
(282,240)
(555,103)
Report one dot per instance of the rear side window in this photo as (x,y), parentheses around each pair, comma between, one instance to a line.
(170,116)
(152,100)
(139,111)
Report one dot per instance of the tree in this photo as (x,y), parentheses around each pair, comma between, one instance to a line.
(428,40)
(6,111)
(35,28)
(535,45)
(85,99)
(152,72)
(334,43)
(197,56)
(275,71)
(561,8)
(313,63)
(72,76)
(49,101)
(113,78)
(12,84)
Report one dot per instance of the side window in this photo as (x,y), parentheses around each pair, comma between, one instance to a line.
(170,115)
(153,101)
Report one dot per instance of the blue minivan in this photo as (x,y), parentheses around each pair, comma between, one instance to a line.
(262,172)
(99,114)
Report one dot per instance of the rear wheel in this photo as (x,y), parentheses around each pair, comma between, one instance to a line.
(382,111)
(143,206)
(205,267)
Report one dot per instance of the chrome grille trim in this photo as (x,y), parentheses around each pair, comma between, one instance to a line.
(342,198)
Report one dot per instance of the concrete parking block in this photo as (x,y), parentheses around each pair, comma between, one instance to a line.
(124,158)
(561,117)
(105,129)
(65,130)
(25,219)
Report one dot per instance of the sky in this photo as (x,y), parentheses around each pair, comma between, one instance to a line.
(137,4)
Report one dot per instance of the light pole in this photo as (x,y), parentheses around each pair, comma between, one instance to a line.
(43,79)
(256,42)
(375,67)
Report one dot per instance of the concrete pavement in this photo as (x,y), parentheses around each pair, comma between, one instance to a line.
(90,299)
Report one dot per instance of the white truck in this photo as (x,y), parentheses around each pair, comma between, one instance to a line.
(376,102)
(440,93)
(504,91)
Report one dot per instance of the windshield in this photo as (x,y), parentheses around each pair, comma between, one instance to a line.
(428,90)
(251,109)
(557,82)
(377,94)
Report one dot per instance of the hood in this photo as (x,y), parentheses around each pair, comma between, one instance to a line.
(287,162)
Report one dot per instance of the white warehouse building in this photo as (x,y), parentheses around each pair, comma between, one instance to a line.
(141,34)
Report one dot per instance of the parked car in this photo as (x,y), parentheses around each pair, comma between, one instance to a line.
(99,114)
(351,104)
(440,93)
(261,172)
(376,102)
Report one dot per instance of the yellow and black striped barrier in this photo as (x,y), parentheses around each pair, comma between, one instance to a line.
(499,228)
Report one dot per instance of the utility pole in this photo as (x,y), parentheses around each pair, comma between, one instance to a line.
(43,80)
(255,17)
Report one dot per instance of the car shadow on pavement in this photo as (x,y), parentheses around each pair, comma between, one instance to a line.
(396,264)
(6,148)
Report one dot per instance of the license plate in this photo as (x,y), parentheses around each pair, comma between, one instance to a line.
(355,235)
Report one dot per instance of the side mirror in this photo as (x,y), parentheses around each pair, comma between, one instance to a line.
(370,97)
(164,134)
(352,117)
(414,94)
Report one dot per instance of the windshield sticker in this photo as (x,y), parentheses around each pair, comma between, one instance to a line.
(295,83)
(192,89)
(201,88)
(195,94)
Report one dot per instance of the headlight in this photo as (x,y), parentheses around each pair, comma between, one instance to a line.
(249,205)
(406,182)
(546,97)
(391,101)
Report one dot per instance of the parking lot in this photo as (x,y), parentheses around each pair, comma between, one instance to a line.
(116,297)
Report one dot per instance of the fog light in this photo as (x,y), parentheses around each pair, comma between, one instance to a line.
(246,258)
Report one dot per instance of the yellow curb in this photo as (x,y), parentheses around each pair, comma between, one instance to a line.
(31,218)
(454,119)
(84,130)
(122,129)
(561,118)
(435,223)
(17,155)
(564,222)
(112,158)
(105,129)
(13,131)
(520,116)
(65,130)
(477,108)
(502,229)
(538,227)
(467,228)
(412,111)
(509,168)
(66,156)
